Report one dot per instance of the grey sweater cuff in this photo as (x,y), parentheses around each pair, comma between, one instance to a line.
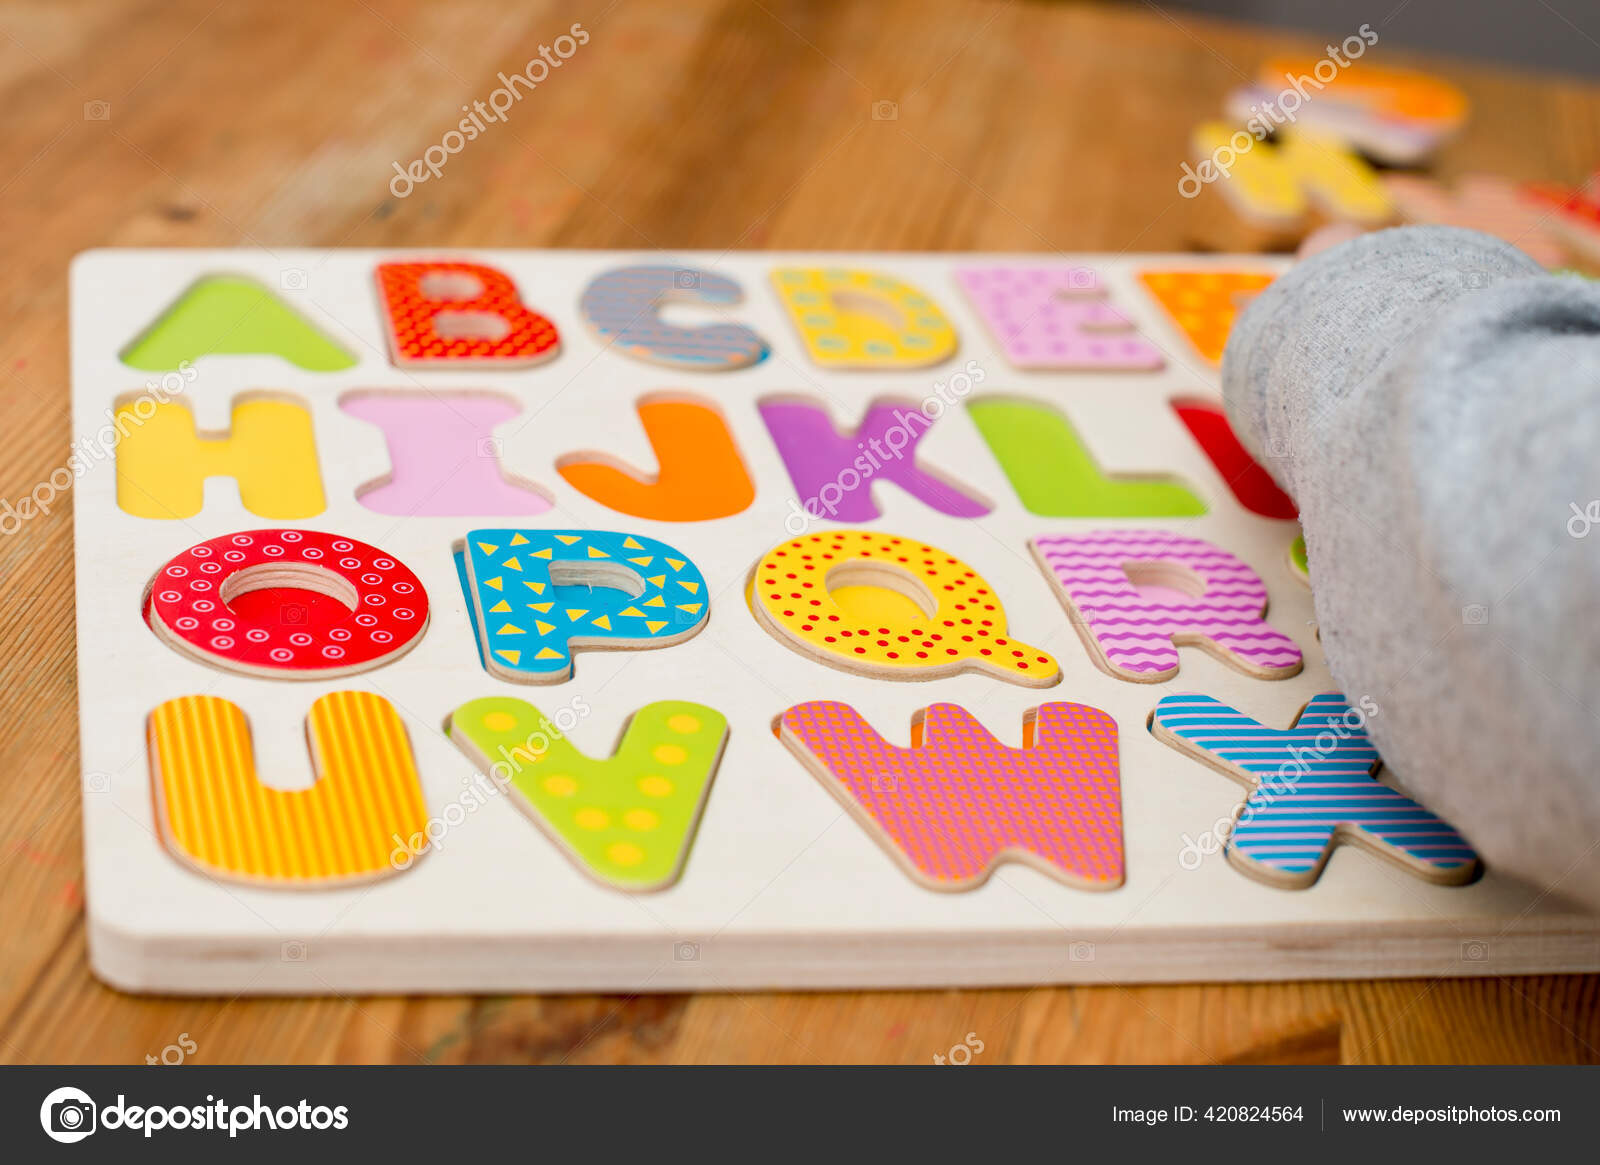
(1431,399)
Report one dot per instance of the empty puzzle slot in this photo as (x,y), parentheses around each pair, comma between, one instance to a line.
(450,285)
(1165,580)
(292,588)
(573,575)
(291,593)
(471,325)
(874,594)
(919,720)
(289,607)
(687,308)
(873,306)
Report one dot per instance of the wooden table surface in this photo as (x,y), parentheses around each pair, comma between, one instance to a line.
(717,123)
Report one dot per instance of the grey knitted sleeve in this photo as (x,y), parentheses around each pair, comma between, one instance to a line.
(1431,399)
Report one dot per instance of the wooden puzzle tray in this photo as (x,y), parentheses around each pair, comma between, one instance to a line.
(602,590)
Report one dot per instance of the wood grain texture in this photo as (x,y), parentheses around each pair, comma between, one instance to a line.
(717,123)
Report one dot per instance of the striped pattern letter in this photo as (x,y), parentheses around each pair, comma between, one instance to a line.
(1312,787)
(215,816)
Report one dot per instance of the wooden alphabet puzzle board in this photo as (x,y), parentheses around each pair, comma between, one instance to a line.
(601,592)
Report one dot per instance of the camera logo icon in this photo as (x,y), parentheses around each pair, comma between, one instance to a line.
(294,614)
(685,952)
(293,279)
(67,1115)
(1584,520)
(97,111)
(491,447)
(685,280)
(885,111)
(1474,615)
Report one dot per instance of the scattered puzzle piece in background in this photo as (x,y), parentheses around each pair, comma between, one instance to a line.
(1480,202)
(1276,187)
(628,819)
(1312,787)
(1576,217)
(539,596)
(958,803)
(1398,117)
(1056,476)
(889,607)
(215,815)
(1136,596)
